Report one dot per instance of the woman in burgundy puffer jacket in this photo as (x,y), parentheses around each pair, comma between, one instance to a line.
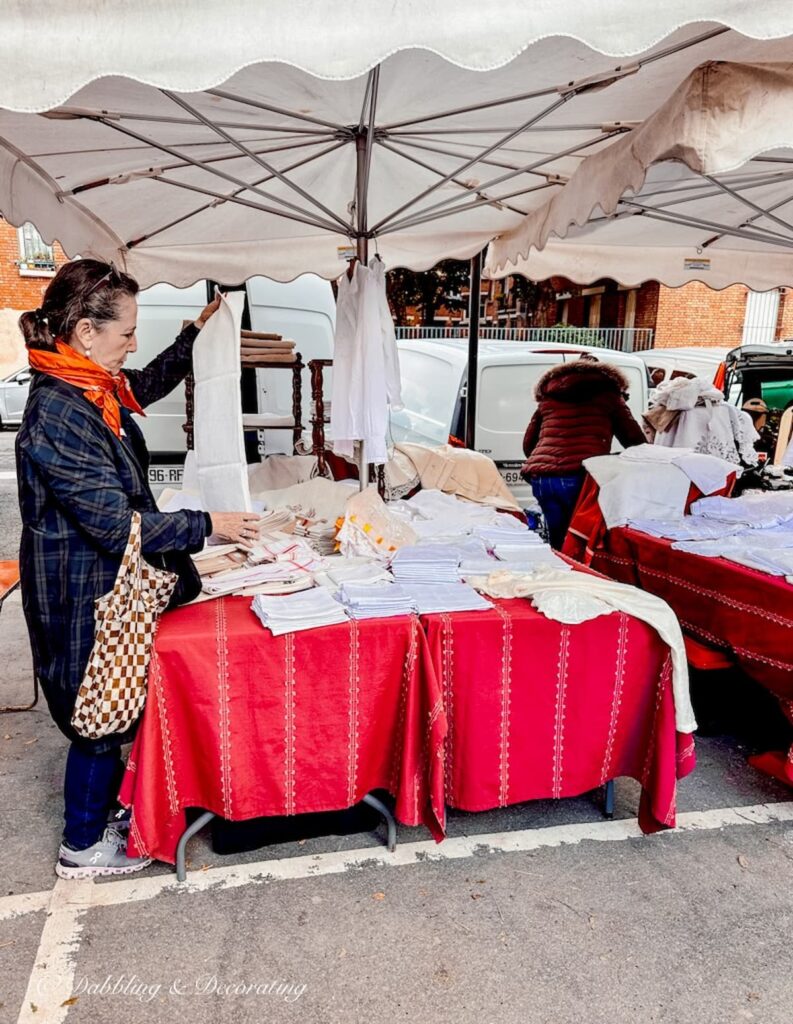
(581,408)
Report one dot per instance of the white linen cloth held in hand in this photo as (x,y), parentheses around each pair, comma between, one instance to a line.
(576,597)
(365,364)
(217,430)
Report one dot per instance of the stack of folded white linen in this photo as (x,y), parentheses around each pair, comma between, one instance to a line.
(276,520)
(686,528)
(752,510)
(218,558)
(320,534)
(294,612)
(445,597)
(769,551)
(292,550)
(336,571)
(275,576)
(426,563)
(532,558)
(375,600)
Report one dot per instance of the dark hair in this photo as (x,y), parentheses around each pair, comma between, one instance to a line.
(82,288)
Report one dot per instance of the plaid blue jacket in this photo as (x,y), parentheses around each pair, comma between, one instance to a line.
(78,485)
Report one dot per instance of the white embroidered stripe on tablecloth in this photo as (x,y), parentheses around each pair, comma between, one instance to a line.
(157,691)
(619,682)
(352,761)
(561,696)
(289,715)
(506,686)
(223,703)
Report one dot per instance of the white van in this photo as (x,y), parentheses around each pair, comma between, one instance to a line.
(302,310)
(434,384)
(665,364)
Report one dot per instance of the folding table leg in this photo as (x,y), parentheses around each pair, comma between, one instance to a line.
(608,808)
(389,819)
(198,824)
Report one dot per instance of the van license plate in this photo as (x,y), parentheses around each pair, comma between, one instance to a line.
(165,475)
(511,474)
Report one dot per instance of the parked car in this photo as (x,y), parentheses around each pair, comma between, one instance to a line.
(665,364)
(434,386)
(13,396)
(761,371)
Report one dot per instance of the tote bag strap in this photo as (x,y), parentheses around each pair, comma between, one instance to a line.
(131,559)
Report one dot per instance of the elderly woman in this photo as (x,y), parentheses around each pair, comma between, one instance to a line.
(82,469)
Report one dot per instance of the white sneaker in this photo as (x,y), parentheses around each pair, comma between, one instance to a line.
(106,857)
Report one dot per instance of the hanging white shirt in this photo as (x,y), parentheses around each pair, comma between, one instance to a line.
(365,364)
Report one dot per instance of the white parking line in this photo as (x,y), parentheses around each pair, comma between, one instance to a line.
(68,902)
(7,474)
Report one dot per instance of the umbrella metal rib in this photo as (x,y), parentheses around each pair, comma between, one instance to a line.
(551,90)
(696,222)
(527,169)
(434,170)
(244,185)
(68,113)
(471,161)
(258,105)
(179,165)
(245,151)
(759,210)
(230,198)
(304,218)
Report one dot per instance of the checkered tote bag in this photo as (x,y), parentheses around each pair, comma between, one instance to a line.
(113,690)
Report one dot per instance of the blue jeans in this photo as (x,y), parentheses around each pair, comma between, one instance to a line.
(557,496)
(90,788)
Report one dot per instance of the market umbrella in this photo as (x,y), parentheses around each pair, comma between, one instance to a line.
(701,190)
(185,148)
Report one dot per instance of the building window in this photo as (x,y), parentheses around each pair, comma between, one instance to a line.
(35,257)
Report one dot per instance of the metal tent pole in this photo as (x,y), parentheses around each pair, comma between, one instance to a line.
(473,350)
(362,155)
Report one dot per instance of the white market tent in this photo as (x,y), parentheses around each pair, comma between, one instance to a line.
(184,146)
(702,190)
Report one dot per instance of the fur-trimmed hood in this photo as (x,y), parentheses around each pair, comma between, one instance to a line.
(580,381)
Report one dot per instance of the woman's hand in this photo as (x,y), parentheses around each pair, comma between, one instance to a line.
(207,312)
(235,527)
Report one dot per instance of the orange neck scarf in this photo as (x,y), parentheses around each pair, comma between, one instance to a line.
(100,386)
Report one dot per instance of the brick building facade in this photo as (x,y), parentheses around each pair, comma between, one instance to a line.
(690,315)
(26,267)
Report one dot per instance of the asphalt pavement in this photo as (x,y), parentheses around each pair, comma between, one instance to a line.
(544,913)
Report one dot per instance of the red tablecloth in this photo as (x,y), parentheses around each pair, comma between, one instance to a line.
(246,725)
(538,709)
(726,605)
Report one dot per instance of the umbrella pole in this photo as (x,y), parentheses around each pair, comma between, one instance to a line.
(474,301)
(362,246)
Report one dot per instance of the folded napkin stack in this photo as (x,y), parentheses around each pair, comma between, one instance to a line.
(426,563)
(293,612)
(249,576)
(319,533)
(294,551)
(375,600)
(446,597)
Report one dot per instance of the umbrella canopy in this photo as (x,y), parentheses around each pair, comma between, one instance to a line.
(702,190)
(192,149)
